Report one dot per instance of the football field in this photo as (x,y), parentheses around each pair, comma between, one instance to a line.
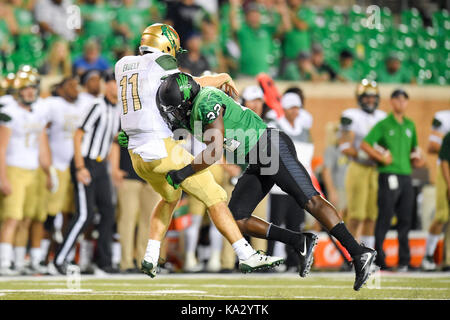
(318,285)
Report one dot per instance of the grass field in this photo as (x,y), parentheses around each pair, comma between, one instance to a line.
(318,285)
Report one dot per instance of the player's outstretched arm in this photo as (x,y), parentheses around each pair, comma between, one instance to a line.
(213,138)
(221,81)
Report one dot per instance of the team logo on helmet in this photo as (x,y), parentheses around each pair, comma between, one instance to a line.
(185,86)
(169,34)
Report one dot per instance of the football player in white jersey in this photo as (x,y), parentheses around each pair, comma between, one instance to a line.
(154,152)
(361,183)
(63,116)
(440,127)
(21,143)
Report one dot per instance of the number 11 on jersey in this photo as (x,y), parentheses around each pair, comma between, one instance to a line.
(133,81)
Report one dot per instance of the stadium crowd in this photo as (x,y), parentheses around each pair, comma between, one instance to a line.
(53,147)
(295,39)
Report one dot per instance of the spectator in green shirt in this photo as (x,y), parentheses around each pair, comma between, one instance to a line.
(347,71)
(23,12)
(211,48)
(301,70)
(131,21)
(393,72)
(392,142)
(298,37)
(254,39)
(97,19)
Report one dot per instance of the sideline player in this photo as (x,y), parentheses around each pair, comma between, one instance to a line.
(440,127)
(272,160)
(20,144)
(154,152)
(361,181)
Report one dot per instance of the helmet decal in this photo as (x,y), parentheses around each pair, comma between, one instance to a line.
(169,34)
(185,86)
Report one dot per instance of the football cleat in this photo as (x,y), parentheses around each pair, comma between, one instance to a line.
(306,253)
(363,266)
(191,265)
(428,264)
(258,262)
(148,268)
(5,271)
(214,264)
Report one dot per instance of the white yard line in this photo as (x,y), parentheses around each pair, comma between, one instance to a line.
(192,293)
(335,276)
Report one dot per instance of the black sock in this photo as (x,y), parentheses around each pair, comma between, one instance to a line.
(286,236)
(341,233)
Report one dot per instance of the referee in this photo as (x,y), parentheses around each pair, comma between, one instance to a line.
(397,137)
(92,184)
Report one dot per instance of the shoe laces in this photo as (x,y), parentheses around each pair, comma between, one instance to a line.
(262,253)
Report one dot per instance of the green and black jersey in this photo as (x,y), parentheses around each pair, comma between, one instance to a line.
(242,126)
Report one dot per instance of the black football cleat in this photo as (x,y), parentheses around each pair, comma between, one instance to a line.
(363,265)
(306,253)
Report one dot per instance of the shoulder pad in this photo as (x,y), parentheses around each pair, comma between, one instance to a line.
(167,62)
(346,121)
(436,123)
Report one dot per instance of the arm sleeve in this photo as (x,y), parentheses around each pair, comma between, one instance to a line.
(437,124)
(346,122)
(374,135)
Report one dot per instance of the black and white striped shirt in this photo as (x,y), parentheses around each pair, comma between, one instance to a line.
(100,125)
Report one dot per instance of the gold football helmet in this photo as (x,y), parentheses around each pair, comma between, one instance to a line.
(25,80)
(160,37)
(6,83)
(367,88)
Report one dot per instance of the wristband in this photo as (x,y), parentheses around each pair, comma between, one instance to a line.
(186,172)
(79,168)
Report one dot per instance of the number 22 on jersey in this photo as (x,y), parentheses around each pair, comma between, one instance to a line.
(133,81)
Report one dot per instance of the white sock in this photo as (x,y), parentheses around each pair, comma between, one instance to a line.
(215,238)
(116,253)
(243,249)
(71,255)
(432,241)
(19,257)
(45,245)
(6,255)
(152,251)
(86,253)
(369,241)
(279,249)
(35,255)
(192,233)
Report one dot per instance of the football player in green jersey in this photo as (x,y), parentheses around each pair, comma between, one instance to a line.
(221,123)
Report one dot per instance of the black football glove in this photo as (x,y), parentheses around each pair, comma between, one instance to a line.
(176,177)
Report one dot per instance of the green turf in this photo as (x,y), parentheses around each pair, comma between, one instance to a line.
(239,287)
